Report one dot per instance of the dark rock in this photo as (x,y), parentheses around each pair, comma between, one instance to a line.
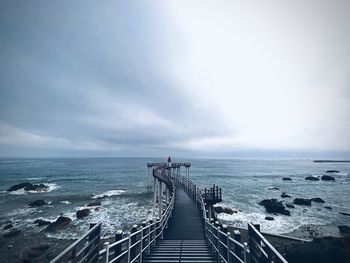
(284,195)
(83,213)
(60,223)
(37,251)
(8,226)
(328,207)
(345,214)
(42,222)
(269,218)
(37,188)
(290,206)
(37,203)
(317,200)
(344,229)
(312,178)
(94,203)
(332,171)
(287,179)
(273,188)
(223,209)
(321,250)
(274,206)
(302,201)
(19,186)
(12,233)
(327,178)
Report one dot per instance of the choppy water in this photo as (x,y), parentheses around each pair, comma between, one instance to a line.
(123,183)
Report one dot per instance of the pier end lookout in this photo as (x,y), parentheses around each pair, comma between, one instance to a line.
(184,229)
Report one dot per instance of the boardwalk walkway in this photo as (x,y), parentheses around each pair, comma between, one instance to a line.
(186,222)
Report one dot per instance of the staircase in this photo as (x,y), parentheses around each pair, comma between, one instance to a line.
(186,251)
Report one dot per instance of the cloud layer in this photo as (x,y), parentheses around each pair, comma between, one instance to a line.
(123,78)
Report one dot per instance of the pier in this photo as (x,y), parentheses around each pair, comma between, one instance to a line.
(184,229)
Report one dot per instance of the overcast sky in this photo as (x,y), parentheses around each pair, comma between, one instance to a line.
(187,78)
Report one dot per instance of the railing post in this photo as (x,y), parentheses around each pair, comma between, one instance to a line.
(118,248)
(143,225)
(228,244)
(224,240)
(157,229)
(238,237)
(149,244)
(245,253)
(133,241)
(106,245)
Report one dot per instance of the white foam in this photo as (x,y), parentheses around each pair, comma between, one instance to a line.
(109,193)
(52,187)
(18,192)
(66,202)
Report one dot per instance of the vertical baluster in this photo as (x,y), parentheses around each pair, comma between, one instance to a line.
(238,237)
(133,241)
(118,248)
(106,245)
(224,240)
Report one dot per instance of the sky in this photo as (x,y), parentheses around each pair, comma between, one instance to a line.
(186,78)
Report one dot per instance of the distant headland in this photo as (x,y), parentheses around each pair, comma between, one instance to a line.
(331,161)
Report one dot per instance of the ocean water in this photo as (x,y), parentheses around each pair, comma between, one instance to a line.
(122,182)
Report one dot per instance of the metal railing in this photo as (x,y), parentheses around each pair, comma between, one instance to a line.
(226,247)
(85,249)
(132,247)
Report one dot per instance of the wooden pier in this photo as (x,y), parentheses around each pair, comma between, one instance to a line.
(184,230)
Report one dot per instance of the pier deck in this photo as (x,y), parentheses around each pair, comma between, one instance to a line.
(186,221)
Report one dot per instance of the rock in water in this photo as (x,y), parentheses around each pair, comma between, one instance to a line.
(37,203)
(332,171)
(269,218)
(223,209)
(8,226)
(42,222)
(18,186)
(344,229)
(284,195)
(60,223)
(327,178)
(290,206)
(302,201)
(83,213)
(274,206)
(312,178)
(94,203)
(345,214)
(287,179)
(317,200)
(328,207)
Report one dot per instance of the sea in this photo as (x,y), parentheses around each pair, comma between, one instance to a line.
(122,184)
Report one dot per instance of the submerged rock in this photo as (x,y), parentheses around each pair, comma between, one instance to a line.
(312,178)
(327,178)
(317,200)
(287,179)
(60,223)
(332,171)
(269,218)
(94,203)
(274,206)
(18,186)
(37,203)
(12,233)
(290,206)
(328,207)
(273,188)
(302,201)
(83,213)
